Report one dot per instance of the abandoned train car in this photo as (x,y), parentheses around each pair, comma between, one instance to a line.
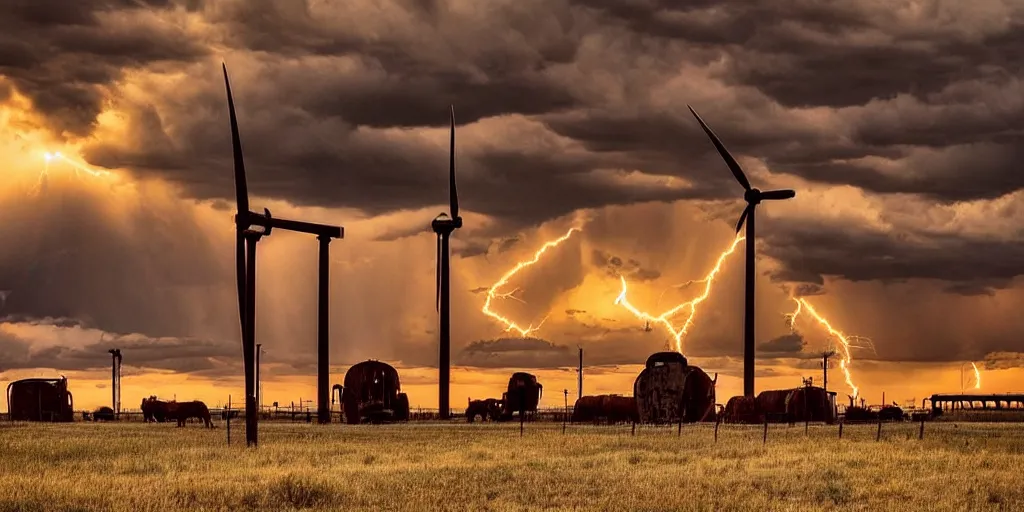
(40,400)
(372,394)
(668,390)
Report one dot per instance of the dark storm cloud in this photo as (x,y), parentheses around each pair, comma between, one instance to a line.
(614,266)
(809,251)
(187,355)
(422,64)
(1004,360)
(787,343)
(62,55)
(515,352)
(146,272)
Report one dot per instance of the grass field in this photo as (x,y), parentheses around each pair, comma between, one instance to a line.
(134,466)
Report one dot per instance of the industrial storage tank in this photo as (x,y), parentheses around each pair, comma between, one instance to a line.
(40,400)
(371,394)
(668,390)
(808,403)
(604,408)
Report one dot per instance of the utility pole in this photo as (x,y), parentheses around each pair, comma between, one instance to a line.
(579,377)
(824,368)
(259,384)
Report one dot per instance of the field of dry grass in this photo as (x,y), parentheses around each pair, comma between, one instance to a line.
(85,466)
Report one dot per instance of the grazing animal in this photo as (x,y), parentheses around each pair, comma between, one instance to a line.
(160,411)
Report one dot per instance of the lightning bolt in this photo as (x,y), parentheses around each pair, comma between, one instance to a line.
(977,376)
(846,342)
(665,319)
(493,291)
(79,168)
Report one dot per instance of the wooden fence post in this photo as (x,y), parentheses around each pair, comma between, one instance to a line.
(229,420)
(634,428)
(718,422)
(878,436)
(840,430)
(679,433)
(920,434)
(765,441)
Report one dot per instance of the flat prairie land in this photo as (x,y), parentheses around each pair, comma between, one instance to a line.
(432,466)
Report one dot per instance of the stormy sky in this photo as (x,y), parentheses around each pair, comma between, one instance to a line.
(899,124)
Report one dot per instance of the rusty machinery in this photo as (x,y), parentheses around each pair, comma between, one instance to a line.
(668,390)
(40,400)
(372,394)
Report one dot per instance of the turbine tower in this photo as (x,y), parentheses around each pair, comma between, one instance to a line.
(443,225)
(753,197)
(245,261)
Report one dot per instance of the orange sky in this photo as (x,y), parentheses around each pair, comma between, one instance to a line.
(905,230)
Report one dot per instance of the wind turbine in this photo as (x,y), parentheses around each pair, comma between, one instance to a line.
(443,225)
(753,197)
(245,260)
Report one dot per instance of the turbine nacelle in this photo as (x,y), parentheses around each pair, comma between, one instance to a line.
(752,196)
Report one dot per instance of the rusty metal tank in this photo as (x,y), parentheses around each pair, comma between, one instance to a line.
(40,400)
(372,394)
(669,390)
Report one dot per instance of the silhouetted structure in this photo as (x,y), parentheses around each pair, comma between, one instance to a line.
(807,403)
(40,400)
(743,409)
(245,255)
(942,403)
(443,226)
(371,394)
(668,390)
(522,396)
(579,377)
(115,381)
(610,409)
(753,197)
(103,414)
(486,409)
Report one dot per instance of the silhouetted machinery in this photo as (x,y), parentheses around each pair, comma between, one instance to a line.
(371,394)
(807,403)
(522,396)
(488,409)
(104,413)
(608,408)
(668,390)
(40,400)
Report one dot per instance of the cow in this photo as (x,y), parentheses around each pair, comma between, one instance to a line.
(159,410)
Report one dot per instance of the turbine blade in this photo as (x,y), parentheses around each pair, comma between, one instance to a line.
(453,192)
(240,273)
(778,194)
(241,192)
(729,160)
(743,217)
(437,277)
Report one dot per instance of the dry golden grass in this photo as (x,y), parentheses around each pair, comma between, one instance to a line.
(489,467)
